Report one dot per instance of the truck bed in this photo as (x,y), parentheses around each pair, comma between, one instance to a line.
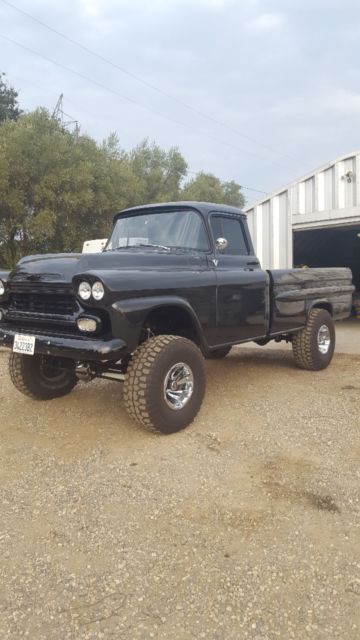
(294,292)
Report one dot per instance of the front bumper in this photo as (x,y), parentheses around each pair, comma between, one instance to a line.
(70,347)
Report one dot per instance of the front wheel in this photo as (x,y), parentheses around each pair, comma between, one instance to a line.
(41,377)
(313,346)
(165,383)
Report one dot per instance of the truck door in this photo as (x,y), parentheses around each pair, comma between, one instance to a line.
(242,286)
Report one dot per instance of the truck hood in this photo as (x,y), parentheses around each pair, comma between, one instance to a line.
(61,268)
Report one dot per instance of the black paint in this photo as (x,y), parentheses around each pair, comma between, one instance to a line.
(225,299)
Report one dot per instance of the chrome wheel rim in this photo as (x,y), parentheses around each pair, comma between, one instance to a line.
(324,339)
(178,386)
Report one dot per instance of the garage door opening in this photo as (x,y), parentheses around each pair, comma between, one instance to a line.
(333,247)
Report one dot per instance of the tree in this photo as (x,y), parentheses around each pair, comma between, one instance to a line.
(9,108)
(56,188)
(207,187)
(159,173)
(233,194)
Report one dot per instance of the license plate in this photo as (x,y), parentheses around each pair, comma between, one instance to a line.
(24,344)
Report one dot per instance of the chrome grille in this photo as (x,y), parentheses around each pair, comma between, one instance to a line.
(46,309)
(43,304)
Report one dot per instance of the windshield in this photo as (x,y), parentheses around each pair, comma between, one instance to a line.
(165,229)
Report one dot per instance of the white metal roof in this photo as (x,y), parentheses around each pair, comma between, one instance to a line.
(304,177)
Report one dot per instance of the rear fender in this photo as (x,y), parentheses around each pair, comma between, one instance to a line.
(319,304)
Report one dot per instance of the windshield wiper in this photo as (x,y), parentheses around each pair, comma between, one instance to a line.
(184,248)
(153,246)
(126,246)
(156,246)
(140,245)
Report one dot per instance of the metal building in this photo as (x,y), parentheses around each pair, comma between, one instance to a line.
(314,221)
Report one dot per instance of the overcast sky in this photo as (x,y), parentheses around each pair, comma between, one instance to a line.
(282,75)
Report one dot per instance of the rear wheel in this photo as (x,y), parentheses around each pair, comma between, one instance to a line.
(41,377)
(313,346)
(217,354)
(165,383)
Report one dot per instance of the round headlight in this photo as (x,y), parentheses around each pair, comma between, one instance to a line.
(2,288)
(98,291)
(84,290)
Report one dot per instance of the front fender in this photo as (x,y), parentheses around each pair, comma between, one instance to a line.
(135,311)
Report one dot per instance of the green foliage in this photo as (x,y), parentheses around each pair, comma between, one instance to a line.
(9,109)
(206,187)
(56,188)
(159,173)
(59,188)
(233,195)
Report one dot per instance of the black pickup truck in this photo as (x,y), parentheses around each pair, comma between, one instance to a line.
(176,282)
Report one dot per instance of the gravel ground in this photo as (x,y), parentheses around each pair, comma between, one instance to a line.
(246,525)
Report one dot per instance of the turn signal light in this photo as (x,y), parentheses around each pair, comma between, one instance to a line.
(87,324)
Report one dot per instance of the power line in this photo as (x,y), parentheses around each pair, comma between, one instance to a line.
(148,84)
(266,193)
(242,186)
(125,98)
(58,109)
(132,101)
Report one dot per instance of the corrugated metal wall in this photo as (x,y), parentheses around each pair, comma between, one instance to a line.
(270,228)
(327,197)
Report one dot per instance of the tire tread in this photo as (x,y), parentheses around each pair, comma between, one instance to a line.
(18,376)
(303,351)
(137,378)
(25,382)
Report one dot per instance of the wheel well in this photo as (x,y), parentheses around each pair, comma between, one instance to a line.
(171,320)
(323,305)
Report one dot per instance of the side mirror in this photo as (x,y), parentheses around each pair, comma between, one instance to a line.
(221,244)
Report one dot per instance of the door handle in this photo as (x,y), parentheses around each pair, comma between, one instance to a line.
(253,263)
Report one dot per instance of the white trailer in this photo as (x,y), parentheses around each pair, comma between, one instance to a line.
(94,246)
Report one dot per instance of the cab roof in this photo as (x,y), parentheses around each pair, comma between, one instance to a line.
(203,207)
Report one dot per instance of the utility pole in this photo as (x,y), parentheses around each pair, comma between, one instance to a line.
(63,118)
(58,111)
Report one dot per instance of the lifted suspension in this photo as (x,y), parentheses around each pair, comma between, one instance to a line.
(87,371)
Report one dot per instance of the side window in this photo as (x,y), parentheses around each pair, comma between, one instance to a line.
(216,227)
(232,230)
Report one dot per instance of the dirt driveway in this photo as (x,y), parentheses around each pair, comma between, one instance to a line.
(246,525)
